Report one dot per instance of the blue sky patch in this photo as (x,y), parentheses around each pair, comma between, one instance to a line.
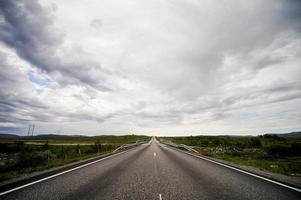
(39,91)
(242,118)
(38,80)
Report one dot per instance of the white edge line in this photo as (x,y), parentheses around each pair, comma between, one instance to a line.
(243,171)
(160,197)
(61,173)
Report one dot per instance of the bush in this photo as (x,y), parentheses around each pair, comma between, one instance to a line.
(30,159)
(204,143)
(216,142)
(254,143)
(12,147)
(284,150)
(296,149)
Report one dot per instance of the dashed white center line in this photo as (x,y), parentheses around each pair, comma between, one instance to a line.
(160,197)
(155,154)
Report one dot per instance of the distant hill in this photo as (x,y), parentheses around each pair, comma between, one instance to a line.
(7,136)
(292,134)
(12,136)
(56,135)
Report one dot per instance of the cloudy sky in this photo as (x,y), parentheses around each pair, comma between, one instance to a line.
(172,67)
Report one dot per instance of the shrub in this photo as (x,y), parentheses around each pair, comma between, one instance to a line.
(283,150)
(204,143)
(30,159)
(254,143)
(296,149)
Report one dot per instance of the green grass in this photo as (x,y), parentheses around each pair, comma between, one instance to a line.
(64,139)
(267,153)
(24,155)
(6,175)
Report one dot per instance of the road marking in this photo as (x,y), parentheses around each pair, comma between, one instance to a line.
(61,173)
(242,171)
(160,197)
(155,154)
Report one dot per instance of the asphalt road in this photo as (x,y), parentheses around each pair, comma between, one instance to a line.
(154,172)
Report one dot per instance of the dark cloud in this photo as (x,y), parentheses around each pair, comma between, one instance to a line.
(292,13)
(29,29)
(9,130)
(12,107)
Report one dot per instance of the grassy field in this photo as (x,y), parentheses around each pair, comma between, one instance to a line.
(267,152)
(20,156)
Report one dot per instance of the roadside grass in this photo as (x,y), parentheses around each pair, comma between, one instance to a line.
(290,166)
(6,175)
(23,156)
(267,153)
(74,140)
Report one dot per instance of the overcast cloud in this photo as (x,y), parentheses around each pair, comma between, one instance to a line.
(181,67)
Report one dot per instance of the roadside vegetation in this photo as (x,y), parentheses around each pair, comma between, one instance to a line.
(20,156)
(266,152)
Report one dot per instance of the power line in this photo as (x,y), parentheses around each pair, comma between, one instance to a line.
(31,128)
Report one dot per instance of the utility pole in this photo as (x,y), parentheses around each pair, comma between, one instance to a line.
(32,129)
(29,126)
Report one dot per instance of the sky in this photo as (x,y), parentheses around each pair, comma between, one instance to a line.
(173,67)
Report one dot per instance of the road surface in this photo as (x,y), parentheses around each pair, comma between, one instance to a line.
(155,172)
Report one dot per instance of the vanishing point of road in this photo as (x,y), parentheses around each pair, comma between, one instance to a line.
(156,172)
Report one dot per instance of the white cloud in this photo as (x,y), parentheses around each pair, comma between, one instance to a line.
(172,67)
